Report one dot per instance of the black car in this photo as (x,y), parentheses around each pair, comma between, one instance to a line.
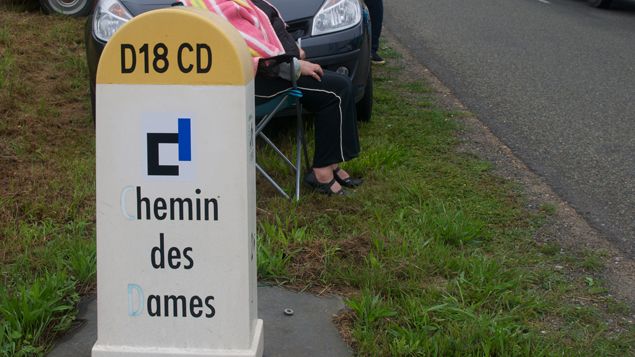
(604,4)
(340,43)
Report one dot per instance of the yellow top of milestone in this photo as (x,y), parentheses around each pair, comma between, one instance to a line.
(176,46)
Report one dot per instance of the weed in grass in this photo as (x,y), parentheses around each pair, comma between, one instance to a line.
(592,261)
(45,110)
(77,67)
(5,37)
(33,312)
(548,208)
(415,87)
(482,167)
(64,32)
(453,226)
(272,249)
(597,290)
(377,159)
(81,262)
(284,233)
(272,261)
(436,219)
(53,295)
(425,104)
(370,308)
(549,280)
(17,147)
(6,68)
(549,248)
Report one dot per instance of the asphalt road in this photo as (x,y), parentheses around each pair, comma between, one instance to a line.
(553,79)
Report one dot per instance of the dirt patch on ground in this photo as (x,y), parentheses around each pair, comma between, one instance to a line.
(565,226)
(344,322)
(309,263)
(354,249)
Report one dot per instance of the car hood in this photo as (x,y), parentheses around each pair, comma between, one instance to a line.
(137,7)
(291,10)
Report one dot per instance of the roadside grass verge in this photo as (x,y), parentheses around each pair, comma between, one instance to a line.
(435,253)
(47,251)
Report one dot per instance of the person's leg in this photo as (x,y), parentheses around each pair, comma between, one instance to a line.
(336,137)
(376,11)
(332,102)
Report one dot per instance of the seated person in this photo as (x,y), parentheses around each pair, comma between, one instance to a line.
(327,94)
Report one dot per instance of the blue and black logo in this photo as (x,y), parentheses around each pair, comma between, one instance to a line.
(184,140)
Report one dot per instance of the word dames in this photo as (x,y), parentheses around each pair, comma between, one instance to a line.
(162,257)
(168,305)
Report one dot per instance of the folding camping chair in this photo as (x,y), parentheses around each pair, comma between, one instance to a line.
(267,111)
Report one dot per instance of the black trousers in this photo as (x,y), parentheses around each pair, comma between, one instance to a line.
(376,12)
(333,103)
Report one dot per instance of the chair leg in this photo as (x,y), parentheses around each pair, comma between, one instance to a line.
(272,182)
(278,151)
(299,141)
(299,148)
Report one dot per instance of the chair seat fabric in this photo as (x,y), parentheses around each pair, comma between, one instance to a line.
(266,107)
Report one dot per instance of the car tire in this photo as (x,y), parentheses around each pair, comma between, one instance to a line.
(365,105)
(603,4)
(75,8)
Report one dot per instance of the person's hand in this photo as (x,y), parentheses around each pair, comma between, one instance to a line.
(302,54)
(311,69)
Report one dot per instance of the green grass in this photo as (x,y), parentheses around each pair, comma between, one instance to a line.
(435,252)
(6,62)
(35,310)
(47,250)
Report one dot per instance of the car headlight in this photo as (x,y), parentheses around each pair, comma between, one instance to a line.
(336,15)
(109,16)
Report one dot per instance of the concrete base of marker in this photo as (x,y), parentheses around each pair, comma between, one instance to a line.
(256,350)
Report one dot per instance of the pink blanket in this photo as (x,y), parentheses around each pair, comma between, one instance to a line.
(252,23)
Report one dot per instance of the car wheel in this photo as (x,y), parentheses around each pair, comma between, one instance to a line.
(365,105)
(67,7)
(604,4)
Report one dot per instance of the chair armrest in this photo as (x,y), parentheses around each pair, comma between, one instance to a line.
(284,66)
(272,61)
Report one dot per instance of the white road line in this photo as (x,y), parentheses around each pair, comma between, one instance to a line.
(545,1)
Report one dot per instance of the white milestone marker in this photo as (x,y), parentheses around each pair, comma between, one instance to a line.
(176,261)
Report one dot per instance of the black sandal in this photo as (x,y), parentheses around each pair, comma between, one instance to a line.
(347,182)
(323,188)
